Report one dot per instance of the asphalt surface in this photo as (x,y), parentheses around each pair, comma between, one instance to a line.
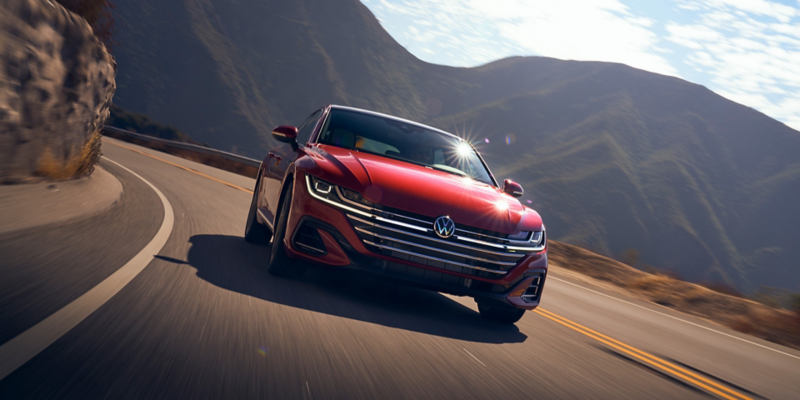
(204,320)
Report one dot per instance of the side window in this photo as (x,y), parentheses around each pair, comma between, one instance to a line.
(304,131)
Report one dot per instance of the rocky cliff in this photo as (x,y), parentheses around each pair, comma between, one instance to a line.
(56,84)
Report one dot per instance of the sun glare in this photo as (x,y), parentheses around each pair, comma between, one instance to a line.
(463,149)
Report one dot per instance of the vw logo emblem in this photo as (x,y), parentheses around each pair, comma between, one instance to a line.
(444,226)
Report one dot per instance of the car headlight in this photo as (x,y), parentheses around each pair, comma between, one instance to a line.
(336,193)
(528,240)
(537,239)
(352,195)
(522,235)
(322,187)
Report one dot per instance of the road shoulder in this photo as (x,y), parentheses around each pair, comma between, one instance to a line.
(30,205)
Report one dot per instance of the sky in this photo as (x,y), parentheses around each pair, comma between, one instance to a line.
(745,50)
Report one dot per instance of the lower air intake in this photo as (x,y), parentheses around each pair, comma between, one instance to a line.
(307,240)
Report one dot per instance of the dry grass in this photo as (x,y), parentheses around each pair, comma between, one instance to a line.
(79,166)
(747,316)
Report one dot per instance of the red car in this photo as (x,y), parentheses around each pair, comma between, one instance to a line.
(360,190)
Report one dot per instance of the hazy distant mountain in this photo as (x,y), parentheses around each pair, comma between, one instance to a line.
(614,157)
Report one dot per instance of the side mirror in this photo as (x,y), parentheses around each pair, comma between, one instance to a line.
(512,188)
(285,133)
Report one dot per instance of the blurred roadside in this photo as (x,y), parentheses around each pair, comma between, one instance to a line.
(56,83)
(769,322)
(37,204)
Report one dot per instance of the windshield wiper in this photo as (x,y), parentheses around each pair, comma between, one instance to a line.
(454,172)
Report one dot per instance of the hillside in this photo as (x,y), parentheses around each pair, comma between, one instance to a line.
(133,122)
(615,158)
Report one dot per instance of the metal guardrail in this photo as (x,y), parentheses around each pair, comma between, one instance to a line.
(186,146)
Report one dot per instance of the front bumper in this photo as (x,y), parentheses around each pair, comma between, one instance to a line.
(323,234)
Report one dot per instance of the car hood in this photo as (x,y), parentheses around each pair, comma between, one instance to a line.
(421,190)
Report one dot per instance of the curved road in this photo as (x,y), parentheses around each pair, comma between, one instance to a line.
(201,319)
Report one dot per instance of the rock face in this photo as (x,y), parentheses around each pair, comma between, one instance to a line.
(56,84)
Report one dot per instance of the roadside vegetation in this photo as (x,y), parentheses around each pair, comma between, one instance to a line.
(82,165)
(771,314)
(139,123)
(142,124)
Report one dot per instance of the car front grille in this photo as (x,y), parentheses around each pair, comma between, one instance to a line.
(411,238)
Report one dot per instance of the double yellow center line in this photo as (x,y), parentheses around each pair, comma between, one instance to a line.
(647,358)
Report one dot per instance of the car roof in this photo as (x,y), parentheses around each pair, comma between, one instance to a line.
(377,114)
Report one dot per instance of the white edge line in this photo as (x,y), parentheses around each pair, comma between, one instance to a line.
(476,358)
(21,349)
(676,318)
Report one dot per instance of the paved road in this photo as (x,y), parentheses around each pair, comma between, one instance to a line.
(205,320)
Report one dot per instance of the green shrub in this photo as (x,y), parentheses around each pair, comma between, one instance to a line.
(139,123)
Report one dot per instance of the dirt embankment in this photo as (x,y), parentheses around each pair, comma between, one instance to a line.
(56,84)
(777,325)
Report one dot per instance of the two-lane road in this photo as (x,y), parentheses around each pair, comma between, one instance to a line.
(203,319)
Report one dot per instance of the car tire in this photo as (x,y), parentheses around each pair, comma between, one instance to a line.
(254,232)
(499,312)
(279,262)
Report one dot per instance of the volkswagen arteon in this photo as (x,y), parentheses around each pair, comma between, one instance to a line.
(355,189)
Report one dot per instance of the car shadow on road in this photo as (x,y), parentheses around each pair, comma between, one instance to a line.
(233,264)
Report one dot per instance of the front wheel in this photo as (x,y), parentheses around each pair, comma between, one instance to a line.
(279,262)
(255,232)
(497,311)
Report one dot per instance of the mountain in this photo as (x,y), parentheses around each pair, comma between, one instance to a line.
(614,158)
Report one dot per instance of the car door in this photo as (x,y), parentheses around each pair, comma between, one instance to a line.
(282,157)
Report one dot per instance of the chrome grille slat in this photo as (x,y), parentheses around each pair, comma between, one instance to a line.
(378,212)
(507,264)
(418,233)
(424,257)
(457,237)
(501,254)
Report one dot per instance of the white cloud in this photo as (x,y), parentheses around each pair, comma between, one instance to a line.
(596,30)
(746,50)
(439,30)
(766,8)
(750,51)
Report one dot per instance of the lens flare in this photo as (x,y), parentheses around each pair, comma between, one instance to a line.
(464,149)
(501,205)
(510,139)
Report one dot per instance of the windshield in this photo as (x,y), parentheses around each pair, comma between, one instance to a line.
(403,141)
